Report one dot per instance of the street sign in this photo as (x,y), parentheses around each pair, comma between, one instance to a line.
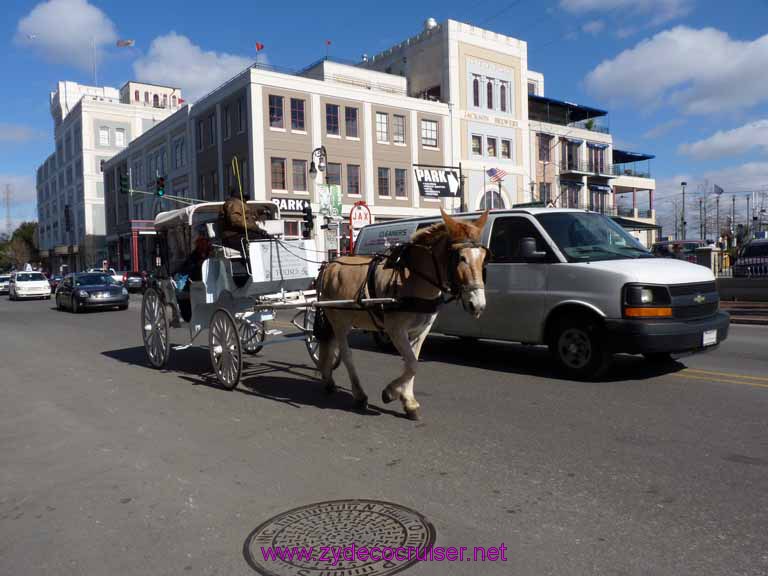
(359,216)
(438,181)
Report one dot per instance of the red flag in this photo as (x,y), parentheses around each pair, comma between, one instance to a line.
(181,100)
(327,42)
(259,46)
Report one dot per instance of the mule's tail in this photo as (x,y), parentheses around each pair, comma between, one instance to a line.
(322,329)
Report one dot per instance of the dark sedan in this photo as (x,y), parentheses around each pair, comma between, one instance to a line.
(90,290)
(135,281)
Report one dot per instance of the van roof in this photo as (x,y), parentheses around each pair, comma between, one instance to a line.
(476,214)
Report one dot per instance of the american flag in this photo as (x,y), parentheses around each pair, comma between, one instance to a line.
(125,43)
(496,174)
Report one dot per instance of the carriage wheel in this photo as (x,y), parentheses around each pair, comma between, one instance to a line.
(224,346)
(251,336)
(306,320)
(154,328)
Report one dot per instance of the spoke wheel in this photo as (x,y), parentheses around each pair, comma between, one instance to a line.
(306,321)
(251,336)
(154,329)
(224,347)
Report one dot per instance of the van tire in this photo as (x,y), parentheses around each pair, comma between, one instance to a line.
(578,346)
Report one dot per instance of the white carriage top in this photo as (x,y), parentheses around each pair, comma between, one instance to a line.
(191,216)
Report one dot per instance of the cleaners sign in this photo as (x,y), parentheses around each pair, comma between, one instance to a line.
(438,181)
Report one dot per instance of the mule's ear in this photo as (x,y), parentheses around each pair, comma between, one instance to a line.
(453,227)
(480,222)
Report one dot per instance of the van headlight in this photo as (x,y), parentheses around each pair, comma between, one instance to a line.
(641,301)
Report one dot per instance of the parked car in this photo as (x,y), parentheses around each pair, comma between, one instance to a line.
(29,285)
(5,283)
(135,281)
(577,282)
(87,290)
(752,260)
(54,281)
(680,249)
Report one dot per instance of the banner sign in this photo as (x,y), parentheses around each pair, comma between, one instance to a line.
(330,199)
(359,216)
(438,181)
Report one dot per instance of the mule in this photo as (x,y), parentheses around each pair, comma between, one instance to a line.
(443,261)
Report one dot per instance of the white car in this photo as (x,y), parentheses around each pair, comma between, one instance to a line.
(5,283)
(29,285)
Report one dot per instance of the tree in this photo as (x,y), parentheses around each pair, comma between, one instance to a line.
(22,247)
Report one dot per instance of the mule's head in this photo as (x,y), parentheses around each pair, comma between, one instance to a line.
(467,261)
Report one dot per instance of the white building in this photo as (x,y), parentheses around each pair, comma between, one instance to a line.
(91,124)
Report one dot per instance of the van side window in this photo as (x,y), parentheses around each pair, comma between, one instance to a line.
(506,235)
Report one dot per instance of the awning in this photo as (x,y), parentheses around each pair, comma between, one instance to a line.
(571,183)
(623,157)
(597,145)
(573,140)
(600,188)
(575,112)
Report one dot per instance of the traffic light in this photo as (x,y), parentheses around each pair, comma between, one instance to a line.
(125,187)
(308,221)
(160,187)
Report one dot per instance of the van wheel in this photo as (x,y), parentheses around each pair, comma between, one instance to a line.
(579,348)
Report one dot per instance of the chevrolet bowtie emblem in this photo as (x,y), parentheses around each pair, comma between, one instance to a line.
(699,299)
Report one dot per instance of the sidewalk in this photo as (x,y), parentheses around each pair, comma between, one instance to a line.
(746,312)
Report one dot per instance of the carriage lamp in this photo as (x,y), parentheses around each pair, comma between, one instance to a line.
(322,158)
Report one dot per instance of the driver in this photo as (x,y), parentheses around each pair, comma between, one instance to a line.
(236,222)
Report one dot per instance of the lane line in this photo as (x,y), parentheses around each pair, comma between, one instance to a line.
(727,374)
(721,381)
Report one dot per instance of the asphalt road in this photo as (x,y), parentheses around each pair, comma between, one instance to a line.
(110,467)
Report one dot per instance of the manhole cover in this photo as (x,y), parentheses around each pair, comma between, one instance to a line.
(307,536)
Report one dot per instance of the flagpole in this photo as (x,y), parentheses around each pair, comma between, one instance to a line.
(93,56)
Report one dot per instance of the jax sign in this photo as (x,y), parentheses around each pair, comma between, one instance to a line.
(359,216)
(438,181)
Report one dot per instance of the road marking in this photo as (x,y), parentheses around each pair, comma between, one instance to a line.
(728,374)
(718,381)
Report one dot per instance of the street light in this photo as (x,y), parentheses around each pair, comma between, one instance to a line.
(682,217)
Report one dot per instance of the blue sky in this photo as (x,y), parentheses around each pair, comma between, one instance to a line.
(682,79)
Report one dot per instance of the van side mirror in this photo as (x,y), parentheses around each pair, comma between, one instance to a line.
(528,249)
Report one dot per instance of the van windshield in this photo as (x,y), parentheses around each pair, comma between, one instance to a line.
(589,237)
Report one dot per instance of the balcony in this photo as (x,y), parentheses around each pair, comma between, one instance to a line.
(541,109)
(633,164)
(588,168)
(630,170)
(591,125)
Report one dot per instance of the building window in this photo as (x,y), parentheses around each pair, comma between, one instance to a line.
(199,135)
(350,120)
(201,185)
(400,189)
(545,146)
(297,114)
(156,101)
(503,97)
(292,229)
(477,145)
(489,94)
(119,137)
(244,175)
(429,133)
(229,184)
(398,129)
(104,136)
(278,174)
(333,174)
(212,130)
(476,91)
(146,97)
(175,101)
(300,174)
(136,96)
(353,179)
(214,184)
(241,115)
(382,127)
(275,111)
(383,183)
(165,100)
(532,88)
(227,123)
(490,146)
(596,159)
(506,149)
(332,119)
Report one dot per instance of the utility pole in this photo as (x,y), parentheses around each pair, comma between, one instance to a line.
(701,218)
(682,216)
(733,220)
(717,218)
(748,220)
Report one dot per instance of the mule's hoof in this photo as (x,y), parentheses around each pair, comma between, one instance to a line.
(413,413)
(386,396)
(330,388)
(361,403)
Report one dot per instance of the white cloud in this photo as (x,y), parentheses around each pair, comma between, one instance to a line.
(663,128)
(660,10)
(593,27)
(175,61)
(700,71)
(730,142)
(66,31)
(15,133)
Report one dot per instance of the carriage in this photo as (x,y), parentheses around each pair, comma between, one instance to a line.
(228,292)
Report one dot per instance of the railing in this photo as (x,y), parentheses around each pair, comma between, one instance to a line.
(591,126)
(644,213)
(624,170)
(586,167)
(624,211)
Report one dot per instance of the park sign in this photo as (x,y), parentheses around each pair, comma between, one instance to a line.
(438,181)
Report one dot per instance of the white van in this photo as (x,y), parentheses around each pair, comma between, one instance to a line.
(576,281)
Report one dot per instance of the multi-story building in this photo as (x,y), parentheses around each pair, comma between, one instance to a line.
(271,122)
(91,124)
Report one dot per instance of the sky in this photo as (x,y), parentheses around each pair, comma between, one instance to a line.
(684,80)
